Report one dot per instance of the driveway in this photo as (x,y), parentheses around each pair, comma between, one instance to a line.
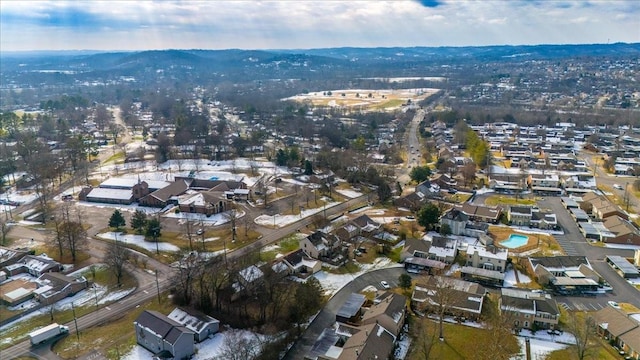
(327,316)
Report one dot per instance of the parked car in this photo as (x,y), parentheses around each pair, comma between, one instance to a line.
(614,304)
(385,284)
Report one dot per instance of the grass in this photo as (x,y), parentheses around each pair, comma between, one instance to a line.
(349,268)
(461,342)
(117,157)
(285,246)
(604,351)
(393,103)
(508,200)
(113,339)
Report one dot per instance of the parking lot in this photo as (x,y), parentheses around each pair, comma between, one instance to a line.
(575,244)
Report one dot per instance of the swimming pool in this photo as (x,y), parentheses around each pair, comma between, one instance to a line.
(515,241)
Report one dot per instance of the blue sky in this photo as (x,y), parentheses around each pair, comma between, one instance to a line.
(137,25)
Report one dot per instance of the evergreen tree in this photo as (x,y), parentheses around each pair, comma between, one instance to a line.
(117,220)
(138,221)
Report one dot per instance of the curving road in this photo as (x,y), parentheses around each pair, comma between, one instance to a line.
(327,315)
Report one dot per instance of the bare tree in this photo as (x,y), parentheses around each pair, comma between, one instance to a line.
(468,173)
(116,258)
(190,229)
(583,328)
(500,344)
(237,346)
(425,336)
(232,216)
(188,270)
(444,296)
(4,230)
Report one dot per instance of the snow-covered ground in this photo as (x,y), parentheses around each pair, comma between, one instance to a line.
(284,220)
(209,349)
(510,278)
(349,193)
(540,348)
(213,220)
(138,240)
(332,283)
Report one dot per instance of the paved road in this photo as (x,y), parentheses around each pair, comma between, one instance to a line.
(327,316)
(602,178)
(574,243)
(413,150)
(148,290)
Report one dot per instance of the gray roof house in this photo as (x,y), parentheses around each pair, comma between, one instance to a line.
(202,325)
(163,336)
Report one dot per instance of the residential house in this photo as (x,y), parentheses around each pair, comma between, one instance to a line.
(347,342)
(623,230)
(531,217)
(54,286)
(14,292)
(485,265)
(463,298)
(600,207)
(456,219)
(10,256)
(388,310)
(480,213)
(200,324)
(164,337)
(506,183)
(412,201)
(528,309)
(319,244)
(35,265)
(620,328)
(519,215)
(545,184)
(368,227)
(565,274)
(298,263)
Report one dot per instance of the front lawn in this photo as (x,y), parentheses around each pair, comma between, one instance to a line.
(494,200)
(460,342)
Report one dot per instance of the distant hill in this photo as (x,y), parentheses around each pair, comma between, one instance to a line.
(262,64)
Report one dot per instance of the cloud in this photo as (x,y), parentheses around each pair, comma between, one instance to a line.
(125,25)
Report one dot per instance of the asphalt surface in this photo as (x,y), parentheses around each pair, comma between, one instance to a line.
(574,243)
(327,315)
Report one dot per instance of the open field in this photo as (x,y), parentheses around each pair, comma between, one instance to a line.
(365,98)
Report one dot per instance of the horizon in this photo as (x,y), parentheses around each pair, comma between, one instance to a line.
(223,25)
(303,49)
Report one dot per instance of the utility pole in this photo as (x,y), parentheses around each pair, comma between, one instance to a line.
(626,195)
(75,321)
(158,286)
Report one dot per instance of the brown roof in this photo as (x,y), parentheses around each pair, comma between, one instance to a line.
(632,339)
(615,321)
(178,187)
(619,226)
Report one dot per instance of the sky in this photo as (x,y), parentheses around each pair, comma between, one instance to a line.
(302,24)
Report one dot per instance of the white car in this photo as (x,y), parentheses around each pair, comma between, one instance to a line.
(618,186)
(614,304)
(199,232)
(385,284)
